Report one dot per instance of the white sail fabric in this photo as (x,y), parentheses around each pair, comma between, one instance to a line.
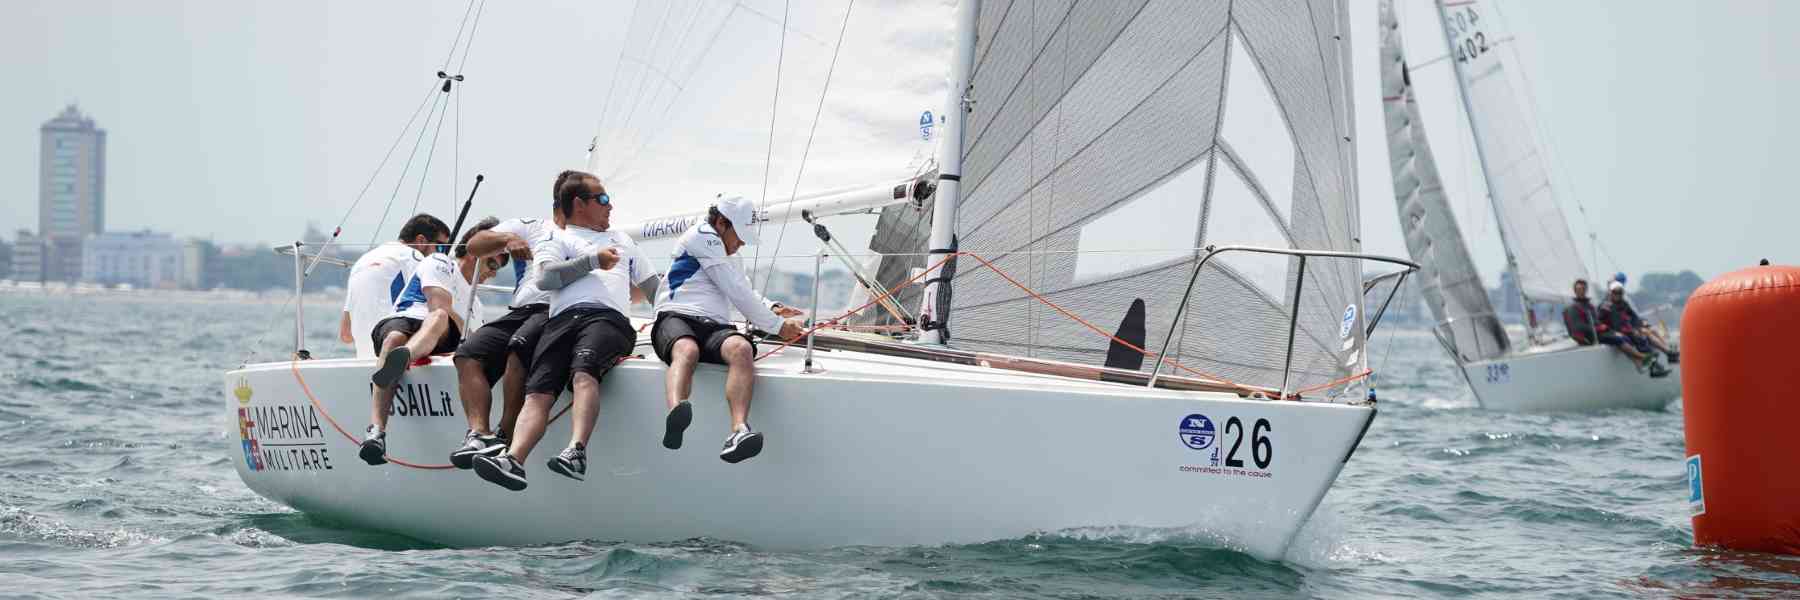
(1448,279)
(1108,139)
(1532,224)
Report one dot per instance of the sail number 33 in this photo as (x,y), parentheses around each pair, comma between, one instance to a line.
(1499,373)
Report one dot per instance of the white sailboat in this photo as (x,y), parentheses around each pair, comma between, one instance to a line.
(1099,136)
(1550,372)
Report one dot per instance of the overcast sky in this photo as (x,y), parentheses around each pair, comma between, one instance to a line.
(242,121)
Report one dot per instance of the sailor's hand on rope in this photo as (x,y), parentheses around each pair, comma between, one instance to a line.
(608,258)
(782,310)
(792,329)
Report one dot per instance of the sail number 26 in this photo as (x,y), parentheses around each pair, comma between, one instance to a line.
(1465,27)
(1262,451)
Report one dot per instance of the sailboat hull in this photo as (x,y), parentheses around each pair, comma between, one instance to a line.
(873,450)
(1578,378)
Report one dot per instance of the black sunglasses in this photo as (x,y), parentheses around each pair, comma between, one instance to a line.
(603,199)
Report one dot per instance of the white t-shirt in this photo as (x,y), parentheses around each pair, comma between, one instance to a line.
(610,288)
(438,271)
(532,231)
(705,282)
(376,280)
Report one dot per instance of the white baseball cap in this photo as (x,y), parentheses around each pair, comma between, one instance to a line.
(1615,286)
(742,215)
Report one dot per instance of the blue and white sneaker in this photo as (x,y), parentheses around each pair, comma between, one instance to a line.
(741,446)
(374,447)
(571,463)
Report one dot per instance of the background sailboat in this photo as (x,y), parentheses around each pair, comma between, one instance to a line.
(1547,371)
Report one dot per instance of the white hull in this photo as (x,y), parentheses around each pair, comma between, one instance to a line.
(875,450)
(1573,379)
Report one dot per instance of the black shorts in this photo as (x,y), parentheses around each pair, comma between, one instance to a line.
(709,334)
(516,333)
(581,339)
(410,326)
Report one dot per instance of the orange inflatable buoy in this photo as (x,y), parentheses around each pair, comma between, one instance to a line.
(1740,337)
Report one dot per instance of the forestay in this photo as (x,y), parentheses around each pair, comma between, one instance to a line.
(1109,139)
(1448,280)
(1531,222)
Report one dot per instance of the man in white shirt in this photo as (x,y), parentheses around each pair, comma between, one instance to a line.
(503,348)
(693,323)
(379,275)
(592,274)
(429,319)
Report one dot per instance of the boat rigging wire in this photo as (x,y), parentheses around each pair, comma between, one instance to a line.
(806,151)
(774,103)
(431,93)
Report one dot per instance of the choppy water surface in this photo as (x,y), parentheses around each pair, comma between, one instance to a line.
(117,483)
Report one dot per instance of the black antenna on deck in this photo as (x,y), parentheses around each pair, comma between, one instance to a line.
(465,209)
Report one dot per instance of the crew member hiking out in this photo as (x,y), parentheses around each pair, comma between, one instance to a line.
(693,323)
(592,274)
(429,319)
(501,350)
(379,275)
(1609,333)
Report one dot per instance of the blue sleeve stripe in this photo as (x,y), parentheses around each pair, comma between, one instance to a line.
(684,268)
(395,287)
(413,295)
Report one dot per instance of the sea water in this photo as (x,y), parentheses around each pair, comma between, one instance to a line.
(117,482)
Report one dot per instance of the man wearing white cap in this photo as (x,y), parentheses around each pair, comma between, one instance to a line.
(1617,317)
(693,322)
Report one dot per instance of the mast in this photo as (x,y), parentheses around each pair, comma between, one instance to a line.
(935,317)
(1487,178)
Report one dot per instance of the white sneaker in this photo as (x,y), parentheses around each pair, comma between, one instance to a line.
(741,446)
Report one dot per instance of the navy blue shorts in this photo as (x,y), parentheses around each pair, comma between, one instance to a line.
(1641,343)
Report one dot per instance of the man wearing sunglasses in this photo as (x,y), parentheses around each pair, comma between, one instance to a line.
(430,317)
(593,275)
(379,275)
(693,323)
(501,350)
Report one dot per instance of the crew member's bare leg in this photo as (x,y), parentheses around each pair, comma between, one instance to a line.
(384,395)
(587,408)
(740,378)
(425,340)
(533,418)
(678,381)
(512,386)
(477,395)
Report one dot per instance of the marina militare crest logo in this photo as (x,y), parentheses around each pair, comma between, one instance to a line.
(247,427)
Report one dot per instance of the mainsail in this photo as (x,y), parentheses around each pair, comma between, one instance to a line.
(1109,139)
(1532,225)
(1448,280)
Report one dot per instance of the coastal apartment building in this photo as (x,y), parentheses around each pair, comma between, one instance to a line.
(71,192)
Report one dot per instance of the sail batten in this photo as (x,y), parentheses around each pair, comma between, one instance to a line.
(1166,124)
